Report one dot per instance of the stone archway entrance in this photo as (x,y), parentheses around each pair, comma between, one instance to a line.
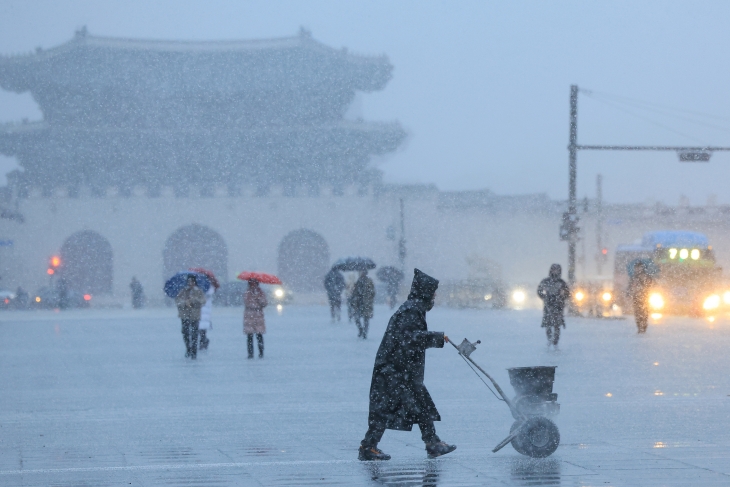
(196,246)
(87,263)
(304,259)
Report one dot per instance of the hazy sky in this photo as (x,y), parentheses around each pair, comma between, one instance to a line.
(481,87)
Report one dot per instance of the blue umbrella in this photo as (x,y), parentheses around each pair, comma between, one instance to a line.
(177,283)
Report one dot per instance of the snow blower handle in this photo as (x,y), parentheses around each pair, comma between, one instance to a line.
(466,347)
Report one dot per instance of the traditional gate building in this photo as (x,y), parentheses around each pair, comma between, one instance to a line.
(154,156)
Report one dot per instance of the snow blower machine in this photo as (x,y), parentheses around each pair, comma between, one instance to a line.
(533,433)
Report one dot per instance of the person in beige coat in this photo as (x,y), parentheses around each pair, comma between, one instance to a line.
(254,301)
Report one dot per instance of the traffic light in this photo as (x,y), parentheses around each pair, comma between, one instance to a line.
(569,226)
(53,264)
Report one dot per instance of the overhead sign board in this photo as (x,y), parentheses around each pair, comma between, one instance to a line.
(694,156)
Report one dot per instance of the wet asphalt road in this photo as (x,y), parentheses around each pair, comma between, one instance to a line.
(102,398)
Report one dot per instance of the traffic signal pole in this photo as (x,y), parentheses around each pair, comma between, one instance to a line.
(572,229)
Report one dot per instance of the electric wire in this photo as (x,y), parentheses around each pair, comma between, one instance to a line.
(662,111)
(480,377)
(648,120)
(626,99)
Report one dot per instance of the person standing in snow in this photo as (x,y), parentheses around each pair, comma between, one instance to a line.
(189,302)
(639,287)
(363,298)
(334,284)
(137,293)
(554,292)
(206,313)
(254,301)
(398,397)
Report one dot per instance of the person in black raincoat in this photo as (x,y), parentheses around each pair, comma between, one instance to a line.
(553,291)
(639,287)
(334,284)
(398,397)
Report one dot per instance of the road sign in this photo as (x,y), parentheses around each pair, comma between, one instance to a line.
(694,156)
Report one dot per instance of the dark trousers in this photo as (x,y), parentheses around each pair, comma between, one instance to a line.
(260,340)
(363,323)
(553,333)
(375,433)
(335,308)
(641,314)
(190,336)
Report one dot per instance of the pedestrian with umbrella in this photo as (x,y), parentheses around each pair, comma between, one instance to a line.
(362,299)
(353,264)
(398,397)
(392,277)
(254,301)
(189,302)
(334,284)
(206,312)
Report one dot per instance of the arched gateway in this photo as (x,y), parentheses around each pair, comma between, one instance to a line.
(304,258)
(196,246)
(87,263)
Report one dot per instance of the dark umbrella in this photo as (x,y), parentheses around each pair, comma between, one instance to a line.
(177,283)
(389,274)
(354,264)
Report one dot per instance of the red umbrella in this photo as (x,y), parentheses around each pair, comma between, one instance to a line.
(208,274)
(262,277)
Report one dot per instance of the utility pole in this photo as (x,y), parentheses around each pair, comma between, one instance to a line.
(599,225)
(402,241)
(569,227)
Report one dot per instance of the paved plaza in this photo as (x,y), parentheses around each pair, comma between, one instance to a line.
(106,398)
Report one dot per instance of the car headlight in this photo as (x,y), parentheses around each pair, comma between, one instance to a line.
(519,296)
(579,296)
(711,302)
(279,293)
(656,301)
(607,296)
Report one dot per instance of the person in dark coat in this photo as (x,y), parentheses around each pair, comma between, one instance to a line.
(362,299)
(639,287)
(392,287)
(398,397)
(334,284)
(189,301)
(137,293)
(553,291)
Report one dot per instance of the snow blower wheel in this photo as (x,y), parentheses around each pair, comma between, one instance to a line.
(538,438)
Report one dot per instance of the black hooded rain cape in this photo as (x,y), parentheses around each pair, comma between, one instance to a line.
(398,398)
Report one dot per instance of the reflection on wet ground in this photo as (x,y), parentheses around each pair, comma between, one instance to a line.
(527,471)
(109,400)
(426,475)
